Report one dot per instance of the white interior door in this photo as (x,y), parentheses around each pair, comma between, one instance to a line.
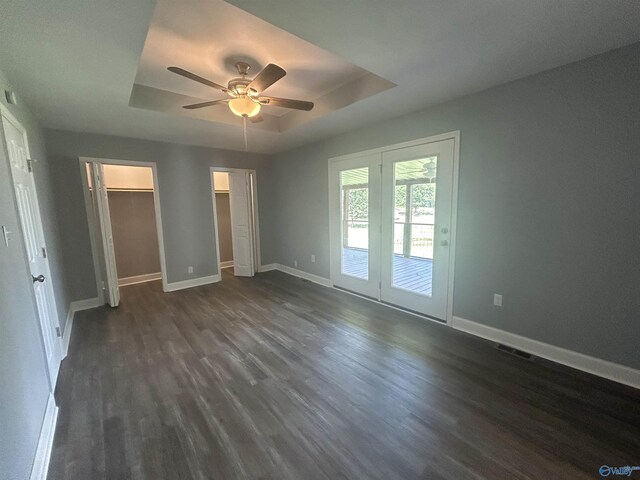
(355,224)
(417,189)
(29,212)
(101,204)
(241,224)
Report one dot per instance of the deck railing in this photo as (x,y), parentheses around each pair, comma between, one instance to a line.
(409,239)
(413,239)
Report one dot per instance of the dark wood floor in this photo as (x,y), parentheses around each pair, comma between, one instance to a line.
(274,377)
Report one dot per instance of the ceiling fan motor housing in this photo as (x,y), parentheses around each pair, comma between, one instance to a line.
(239,86)
(243,68)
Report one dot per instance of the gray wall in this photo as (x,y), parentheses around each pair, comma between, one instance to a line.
(549,202)
(184,187)
(225,240)
(23,375)
(135,235)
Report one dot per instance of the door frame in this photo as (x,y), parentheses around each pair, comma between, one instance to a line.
(453,135)
(59,343)
(256,220)
(93,221)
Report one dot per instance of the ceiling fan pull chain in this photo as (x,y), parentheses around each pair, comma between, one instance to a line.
(244,127)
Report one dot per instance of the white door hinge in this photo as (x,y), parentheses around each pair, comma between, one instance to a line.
(58,331)
(44,252)
(30,164)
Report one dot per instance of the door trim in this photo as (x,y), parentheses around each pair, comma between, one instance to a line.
(453,135)
(92,220)
(256,220)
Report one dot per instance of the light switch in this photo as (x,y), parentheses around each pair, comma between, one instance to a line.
(5,234)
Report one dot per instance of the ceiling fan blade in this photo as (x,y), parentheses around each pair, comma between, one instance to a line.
(197,78)
(267,77)
(256,118)
(286,103)
(205,104)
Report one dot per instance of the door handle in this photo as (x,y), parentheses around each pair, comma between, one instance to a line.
(39,278)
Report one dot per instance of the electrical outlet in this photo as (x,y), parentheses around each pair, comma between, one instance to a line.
(295,263)
(497,300)
(189,269)
(313,258)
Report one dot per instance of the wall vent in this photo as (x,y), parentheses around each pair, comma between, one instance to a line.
(514,351)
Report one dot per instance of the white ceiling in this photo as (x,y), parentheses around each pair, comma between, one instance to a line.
(75,61)
(208,38)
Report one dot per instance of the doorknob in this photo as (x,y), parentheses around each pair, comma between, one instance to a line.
(445,230)
(444,243)
(39,278)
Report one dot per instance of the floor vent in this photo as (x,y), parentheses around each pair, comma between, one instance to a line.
(514,351)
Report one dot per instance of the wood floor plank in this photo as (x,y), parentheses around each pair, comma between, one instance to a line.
(273,377)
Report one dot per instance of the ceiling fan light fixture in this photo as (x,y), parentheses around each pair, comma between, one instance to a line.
(243,106)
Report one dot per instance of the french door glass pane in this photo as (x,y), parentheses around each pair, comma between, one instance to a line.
(354,188)
(413,231)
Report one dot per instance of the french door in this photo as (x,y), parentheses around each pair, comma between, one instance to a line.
(391,222)
(355,224)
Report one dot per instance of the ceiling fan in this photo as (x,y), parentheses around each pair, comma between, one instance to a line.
(427,169)
(245,95)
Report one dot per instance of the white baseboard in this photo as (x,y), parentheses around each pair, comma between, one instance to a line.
(148,277)
(74,307)
(195,282)
(45,441)
(268,268)
(226,264)
(85,304)
(325,282)
(602,368)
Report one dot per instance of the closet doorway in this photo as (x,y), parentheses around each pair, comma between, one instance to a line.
(124,217)
(235,220)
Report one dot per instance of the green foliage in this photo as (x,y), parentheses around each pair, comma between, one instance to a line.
(358,203)
(401,196)
(423,197)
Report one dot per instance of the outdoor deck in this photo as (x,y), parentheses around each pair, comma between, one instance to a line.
(409,273)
